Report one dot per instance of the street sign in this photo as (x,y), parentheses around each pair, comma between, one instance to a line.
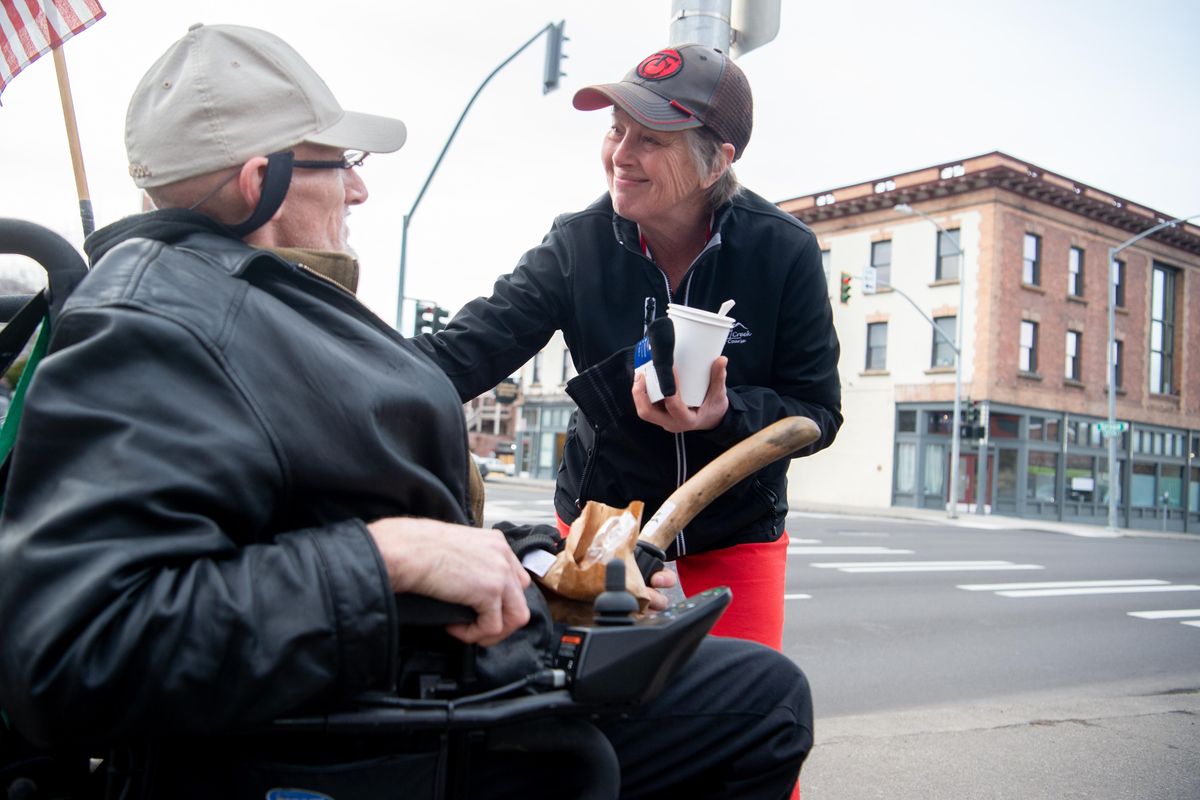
(868,280)
(1111,428)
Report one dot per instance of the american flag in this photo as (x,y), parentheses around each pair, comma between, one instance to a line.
(31,28)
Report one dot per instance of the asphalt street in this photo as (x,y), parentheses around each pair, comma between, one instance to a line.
(984,659)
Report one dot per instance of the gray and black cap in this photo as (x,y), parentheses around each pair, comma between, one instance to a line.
(682,87)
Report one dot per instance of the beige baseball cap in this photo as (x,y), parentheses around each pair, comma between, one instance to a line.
(225,93)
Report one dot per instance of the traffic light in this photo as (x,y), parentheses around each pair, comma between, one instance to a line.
(554,56)
(441,318)
(846,287)
(426,317)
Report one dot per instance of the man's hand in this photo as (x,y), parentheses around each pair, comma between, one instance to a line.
(457,564)
(672,415)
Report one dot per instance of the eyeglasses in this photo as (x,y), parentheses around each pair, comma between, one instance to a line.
(350,159)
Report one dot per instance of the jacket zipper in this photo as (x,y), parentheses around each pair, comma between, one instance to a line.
(680,444)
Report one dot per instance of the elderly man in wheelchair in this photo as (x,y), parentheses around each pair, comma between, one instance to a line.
(237,535)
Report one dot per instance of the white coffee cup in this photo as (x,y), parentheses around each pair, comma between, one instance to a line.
(699,339)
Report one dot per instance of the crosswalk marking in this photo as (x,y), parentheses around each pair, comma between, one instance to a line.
(797,597)
(865,550)
(1099,590)
(921,566)
(1193,622)
(1173,614)
(999,587)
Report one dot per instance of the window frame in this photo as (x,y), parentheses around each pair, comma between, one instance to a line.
(953,235)
(879,350)
(939,342)
(1029,364)
(1031,268)
(883,271)
(1075,273)
(1162,379)
(1073,368)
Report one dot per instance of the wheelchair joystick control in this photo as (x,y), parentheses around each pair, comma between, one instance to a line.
(615,605)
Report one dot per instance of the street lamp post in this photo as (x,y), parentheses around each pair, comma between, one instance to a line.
(554,56)
(1111,431)
(956,432)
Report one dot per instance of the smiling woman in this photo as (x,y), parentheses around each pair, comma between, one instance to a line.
(673,229)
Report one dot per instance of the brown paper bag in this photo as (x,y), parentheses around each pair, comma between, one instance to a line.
(574,581)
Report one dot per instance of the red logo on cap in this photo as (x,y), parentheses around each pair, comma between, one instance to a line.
(662,64)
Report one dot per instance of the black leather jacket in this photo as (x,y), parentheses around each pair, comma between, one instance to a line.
(590,279)
(183,544)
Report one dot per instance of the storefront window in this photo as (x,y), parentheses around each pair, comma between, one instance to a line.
(907,422)
(906,467)
(938,422)
(1081,483)
(1004,426)
(1006,476)
(935,469)
(1036,427)
(1170,485)
(1051,430)
(1141,489)
(1042,476)
(1194,490)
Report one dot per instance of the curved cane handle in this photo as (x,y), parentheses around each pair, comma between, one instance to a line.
(776,441)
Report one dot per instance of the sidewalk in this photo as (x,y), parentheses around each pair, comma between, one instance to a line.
(1137,742)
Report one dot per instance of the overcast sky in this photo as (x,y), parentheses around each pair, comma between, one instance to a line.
(1101,91)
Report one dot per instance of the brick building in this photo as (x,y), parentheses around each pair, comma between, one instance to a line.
(1031,248)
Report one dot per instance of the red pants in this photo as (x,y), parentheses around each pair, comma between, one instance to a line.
(756,573)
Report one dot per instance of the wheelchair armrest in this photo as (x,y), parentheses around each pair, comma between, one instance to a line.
(421,610)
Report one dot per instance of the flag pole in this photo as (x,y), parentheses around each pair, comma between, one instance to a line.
(68,106)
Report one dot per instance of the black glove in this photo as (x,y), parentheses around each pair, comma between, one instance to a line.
(661,334)
(524,539)
(649,559)
(602,391)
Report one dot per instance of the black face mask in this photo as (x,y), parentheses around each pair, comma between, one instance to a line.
(274,189)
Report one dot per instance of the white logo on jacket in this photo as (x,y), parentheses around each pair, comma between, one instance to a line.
(738,334)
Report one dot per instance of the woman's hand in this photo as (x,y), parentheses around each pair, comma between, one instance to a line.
(663,579)
(671,414)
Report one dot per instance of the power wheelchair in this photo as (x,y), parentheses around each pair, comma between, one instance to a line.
(428,732)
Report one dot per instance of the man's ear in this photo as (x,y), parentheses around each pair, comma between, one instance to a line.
(250,180)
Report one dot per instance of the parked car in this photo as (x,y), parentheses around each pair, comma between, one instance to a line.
(497,467)
(482,464)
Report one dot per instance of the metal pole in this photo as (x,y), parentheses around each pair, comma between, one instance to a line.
(1112,366)
(703,21)
(408,217)
(956,433)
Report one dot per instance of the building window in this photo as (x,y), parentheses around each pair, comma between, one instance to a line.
(1041,476)
(825,259)
(537,368)
(907,422)
(876,345)
(1031,269)
(1118,363)
(1119,283)
(1162,330)
(1074,355)
(566,366)
(881,260)
(948,256)
(943,350)
(1029,342)
(1075,272)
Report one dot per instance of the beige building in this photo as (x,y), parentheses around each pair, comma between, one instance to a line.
(1031,249)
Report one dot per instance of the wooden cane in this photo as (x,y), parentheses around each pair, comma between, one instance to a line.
(776,441)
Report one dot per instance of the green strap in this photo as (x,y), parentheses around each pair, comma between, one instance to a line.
(8,433)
